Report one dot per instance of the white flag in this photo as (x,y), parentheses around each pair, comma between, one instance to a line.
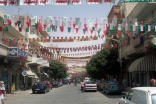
(6,17)
(33,20)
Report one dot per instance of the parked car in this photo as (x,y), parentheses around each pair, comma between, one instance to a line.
(49,84)
(101,84)
(40,87)
(55,84)
(60,83)
(112,87)
(78,80)
(140,95)
(90,85)
(65,81)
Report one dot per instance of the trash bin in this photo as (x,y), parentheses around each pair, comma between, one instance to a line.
(12,87)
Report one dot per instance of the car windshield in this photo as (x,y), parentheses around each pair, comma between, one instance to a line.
(113,82)
(153,99)
(90,82)
(39,83)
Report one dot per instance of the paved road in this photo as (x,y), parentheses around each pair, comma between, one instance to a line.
(67,94)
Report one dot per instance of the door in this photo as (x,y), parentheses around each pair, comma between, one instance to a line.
(127,99)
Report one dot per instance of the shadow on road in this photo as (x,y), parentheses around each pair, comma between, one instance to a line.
(111,95)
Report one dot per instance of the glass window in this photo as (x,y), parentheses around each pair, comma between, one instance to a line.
(113,83)
(139,97)
(153,99)
(129,97)
(90,82)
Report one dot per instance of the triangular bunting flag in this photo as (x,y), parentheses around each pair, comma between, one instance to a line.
(69,29)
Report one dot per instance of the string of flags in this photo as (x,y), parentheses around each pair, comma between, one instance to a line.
(100,28)
(53,2)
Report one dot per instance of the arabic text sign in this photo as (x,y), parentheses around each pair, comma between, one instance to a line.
(15,52)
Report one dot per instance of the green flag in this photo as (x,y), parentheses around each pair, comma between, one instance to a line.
(48,29)
(27,29)
(69,29)
(6,29)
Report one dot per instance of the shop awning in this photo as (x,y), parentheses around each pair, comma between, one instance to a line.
(30,74)
(46,74)
(134,65)
(33,76)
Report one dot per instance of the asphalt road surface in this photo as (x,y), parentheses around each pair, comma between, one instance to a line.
(67,94)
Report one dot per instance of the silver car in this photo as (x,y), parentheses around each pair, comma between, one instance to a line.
(140,95)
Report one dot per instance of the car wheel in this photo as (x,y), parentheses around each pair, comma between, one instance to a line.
(45,91)
(33,92)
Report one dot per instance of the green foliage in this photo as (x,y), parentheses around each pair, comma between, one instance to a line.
(57,70)
(102,63)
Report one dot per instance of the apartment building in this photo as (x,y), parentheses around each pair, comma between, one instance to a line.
(14,59)
(138,57)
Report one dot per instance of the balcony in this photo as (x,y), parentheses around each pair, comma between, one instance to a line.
(3,50)
(132,50)
(141,10)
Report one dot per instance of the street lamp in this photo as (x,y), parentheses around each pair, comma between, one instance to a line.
(120,57)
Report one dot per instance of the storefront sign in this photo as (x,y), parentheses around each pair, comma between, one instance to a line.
(15,52)
(42,61)
(138,41)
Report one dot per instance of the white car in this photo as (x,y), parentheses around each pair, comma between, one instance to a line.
(90,86)
(140,95)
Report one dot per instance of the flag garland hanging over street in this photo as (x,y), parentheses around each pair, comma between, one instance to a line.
(98,29)
(53,2)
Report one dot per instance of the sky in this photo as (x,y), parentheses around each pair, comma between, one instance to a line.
(83,11)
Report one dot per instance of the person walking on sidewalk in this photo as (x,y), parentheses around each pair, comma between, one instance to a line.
(82,85)
(1,94)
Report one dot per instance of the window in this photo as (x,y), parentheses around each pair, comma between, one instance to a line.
(129,97)
(139,97)
(153,99)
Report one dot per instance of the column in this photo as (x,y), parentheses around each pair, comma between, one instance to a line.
(139,79)
(130,81)
(17,80)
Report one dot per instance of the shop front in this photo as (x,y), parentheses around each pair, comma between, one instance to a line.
(17,59)
(142,70)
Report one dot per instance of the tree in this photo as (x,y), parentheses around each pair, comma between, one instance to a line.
(57,70)
(102,63)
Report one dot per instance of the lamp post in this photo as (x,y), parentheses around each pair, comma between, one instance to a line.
(120,58)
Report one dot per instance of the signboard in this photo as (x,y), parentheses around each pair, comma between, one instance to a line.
(15,52)
(138,41)
(149,1)
(24,73)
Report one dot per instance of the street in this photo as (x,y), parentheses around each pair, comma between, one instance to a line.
(67,94)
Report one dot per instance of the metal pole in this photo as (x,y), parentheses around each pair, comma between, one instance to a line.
(120,63)
(24,83)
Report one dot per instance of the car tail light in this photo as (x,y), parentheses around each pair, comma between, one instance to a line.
(109,86)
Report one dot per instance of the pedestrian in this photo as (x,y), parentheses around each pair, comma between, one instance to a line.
(1,94)
(82,85)
(2,88)
(153,82)
(124,83)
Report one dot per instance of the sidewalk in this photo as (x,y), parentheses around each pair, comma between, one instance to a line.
(22,92)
